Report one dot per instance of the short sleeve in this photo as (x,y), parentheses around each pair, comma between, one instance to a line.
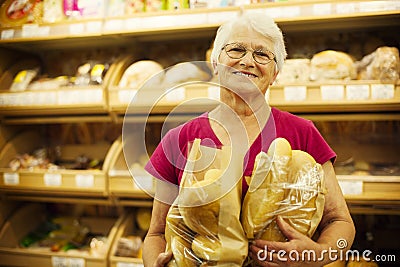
(160,164)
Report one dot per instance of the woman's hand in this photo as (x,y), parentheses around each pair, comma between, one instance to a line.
(162,259)
(299,250)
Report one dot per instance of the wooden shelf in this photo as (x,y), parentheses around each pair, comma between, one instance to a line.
(200,23)
(65,182)
(27,218)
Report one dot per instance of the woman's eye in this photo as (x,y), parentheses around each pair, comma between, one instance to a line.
(261,54)
(238,49)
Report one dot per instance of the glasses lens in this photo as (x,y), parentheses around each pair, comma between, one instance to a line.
(235,51)
(263,56)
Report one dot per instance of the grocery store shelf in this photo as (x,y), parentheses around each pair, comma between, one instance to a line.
(199,23)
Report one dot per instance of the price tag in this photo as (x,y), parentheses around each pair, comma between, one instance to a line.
(372,6)
(274,12)
(133,23)
(59,262)
(87,96)
(84,180)
(351,187)
(30,30)
(76,262)
(357,91)
(67,262)
(129,264)
(291,11)
(11,178)
(114,25)
(7,34)
(46,98)
(43,31)
(322,9)
(220,17)
(52,179)
(332,92)
(77,28)
(382,91)
(126,96)
(345,8)
(295,93)
(94,26)
(213,92)
(176,94)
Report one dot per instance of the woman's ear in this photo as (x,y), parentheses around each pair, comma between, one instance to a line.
(274,77)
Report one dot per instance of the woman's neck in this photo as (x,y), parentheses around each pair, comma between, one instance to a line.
(234,114)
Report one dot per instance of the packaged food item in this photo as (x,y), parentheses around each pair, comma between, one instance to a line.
(134,6)
(382,64)
(129,246)
(361,263)
(91,73)
(332,65)
(176,4)
(287,183)
(52,11)
(138,73)
(185,72)
(18,12)
(154,5)
(23,79)
(294,70)
(203,225)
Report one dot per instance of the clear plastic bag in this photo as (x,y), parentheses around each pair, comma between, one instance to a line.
(203,225)
(288,183)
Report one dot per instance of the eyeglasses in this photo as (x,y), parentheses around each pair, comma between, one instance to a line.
(238,51)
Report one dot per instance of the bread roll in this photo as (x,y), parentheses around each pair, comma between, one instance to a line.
(207,248)
(203,219)
(336,264)
(183,255)
(184,72)
(300,208)
(332,65)
(383,64)
(140,72)
(260,206)
(294,70)
(361,263)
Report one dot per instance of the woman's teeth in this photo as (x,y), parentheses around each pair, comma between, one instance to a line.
(245,74)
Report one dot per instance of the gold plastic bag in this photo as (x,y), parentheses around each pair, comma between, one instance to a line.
(203,224)
(288,183)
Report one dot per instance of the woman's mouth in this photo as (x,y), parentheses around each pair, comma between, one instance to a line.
(246,74)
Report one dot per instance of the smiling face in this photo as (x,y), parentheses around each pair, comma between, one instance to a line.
(245,74)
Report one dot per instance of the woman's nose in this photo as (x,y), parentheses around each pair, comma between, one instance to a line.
(247,59)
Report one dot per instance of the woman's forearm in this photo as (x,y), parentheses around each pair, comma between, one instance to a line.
(152,247)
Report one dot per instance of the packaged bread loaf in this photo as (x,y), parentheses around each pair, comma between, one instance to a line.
(203,224)
(287,183)
(382,64)
(332,65)
(139,72)
(294,70)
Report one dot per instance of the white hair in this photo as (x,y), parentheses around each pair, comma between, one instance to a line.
(259,22)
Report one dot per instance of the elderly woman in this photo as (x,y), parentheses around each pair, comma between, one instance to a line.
(247,56)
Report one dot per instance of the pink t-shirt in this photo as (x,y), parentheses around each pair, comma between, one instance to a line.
(169,159)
